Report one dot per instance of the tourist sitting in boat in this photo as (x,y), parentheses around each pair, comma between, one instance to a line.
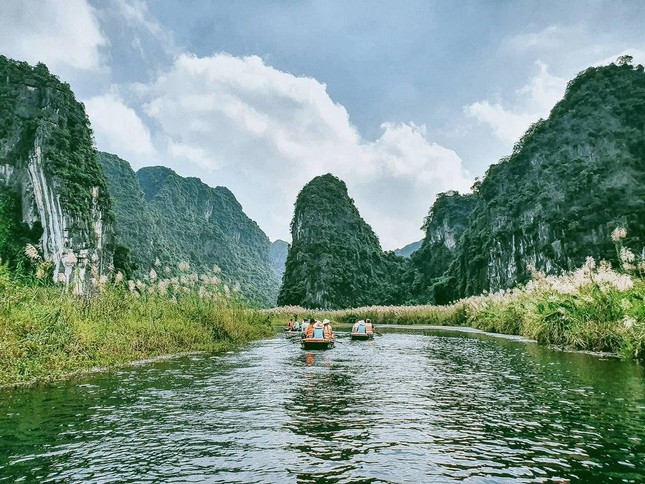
(315,330)
(296,326)
(359,327)
(327,329)
(304,326)
(290,324)
(362,330)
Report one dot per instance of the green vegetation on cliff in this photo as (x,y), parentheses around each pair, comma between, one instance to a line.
(570,180)
(37,110)
(164,219)
(335,259)
(444,226)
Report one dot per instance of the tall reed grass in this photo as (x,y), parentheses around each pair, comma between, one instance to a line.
(47,331)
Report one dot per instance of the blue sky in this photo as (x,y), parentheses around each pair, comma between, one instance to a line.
(402,100)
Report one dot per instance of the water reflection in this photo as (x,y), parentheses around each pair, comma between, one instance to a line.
(405,407)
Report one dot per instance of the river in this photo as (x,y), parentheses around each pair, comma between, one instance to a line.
(409,406)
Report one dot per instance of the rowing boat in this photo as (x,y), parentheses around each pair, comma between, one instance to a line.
(318,343)
(361,336)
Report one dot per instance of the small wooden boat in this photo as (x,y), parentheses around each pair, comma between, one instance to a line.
(292,334)
(362,330)
(318,343)
(361,336)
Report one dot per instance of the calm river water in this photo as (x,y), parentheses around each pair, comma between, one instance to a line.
(410,406)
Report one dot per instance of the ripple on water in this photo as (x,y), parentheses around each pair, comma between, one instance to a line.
(405,407)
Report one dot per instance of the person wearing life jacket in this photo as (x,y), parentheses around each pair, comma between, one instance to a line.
(327,329)
(305,327)
(290,324)
(311,327)
(369,326)
(316,330)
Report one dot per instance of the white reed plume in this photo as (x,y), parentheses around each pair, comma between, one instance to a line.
(153,275)
(618,234)
(31,252)
(184,266)
(70,259)
(163,286)
(626,255)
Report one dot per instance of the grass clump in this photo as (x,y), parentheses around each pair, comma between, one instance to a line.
(47,332)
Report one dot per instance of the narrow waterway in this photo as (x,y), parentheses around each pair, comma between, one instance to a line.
(409,406)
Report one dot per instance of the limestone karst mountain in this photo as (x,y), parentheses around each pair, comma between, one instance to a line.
(335,258)
(165,219)
(570,180)
(52,190)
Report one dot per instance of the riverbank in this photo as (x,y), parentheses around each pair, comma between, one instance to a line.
(591,309)
(46,333)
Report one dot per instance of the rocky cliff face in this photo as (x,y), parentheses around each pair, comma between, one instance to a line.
(335,260)
(279,253)
(50,174)
(165,219)
(444,226)
(555,200)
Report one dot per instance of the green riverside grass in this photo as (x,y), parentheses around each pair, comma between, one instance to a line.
(47,333)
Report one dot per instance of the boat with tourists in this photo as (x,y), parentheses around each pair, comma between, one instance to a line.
(294,328)
(362,330)
(318,336)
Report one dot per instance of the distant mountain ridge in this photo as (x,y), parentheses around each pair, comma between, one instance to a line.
(161,215)
(409,249)
(279,253)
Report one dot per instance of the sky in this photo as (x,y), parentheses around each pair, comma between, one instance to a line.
(402,100)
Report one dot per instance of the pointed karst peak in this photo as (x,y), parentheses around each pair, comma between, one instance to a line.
(326,186)
(335,260)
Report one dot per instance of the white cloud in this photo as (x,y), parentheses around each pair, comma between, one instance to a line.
(552,37)
(264,133)
(117,127)
(137,15)
(60,34)
(533,101)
